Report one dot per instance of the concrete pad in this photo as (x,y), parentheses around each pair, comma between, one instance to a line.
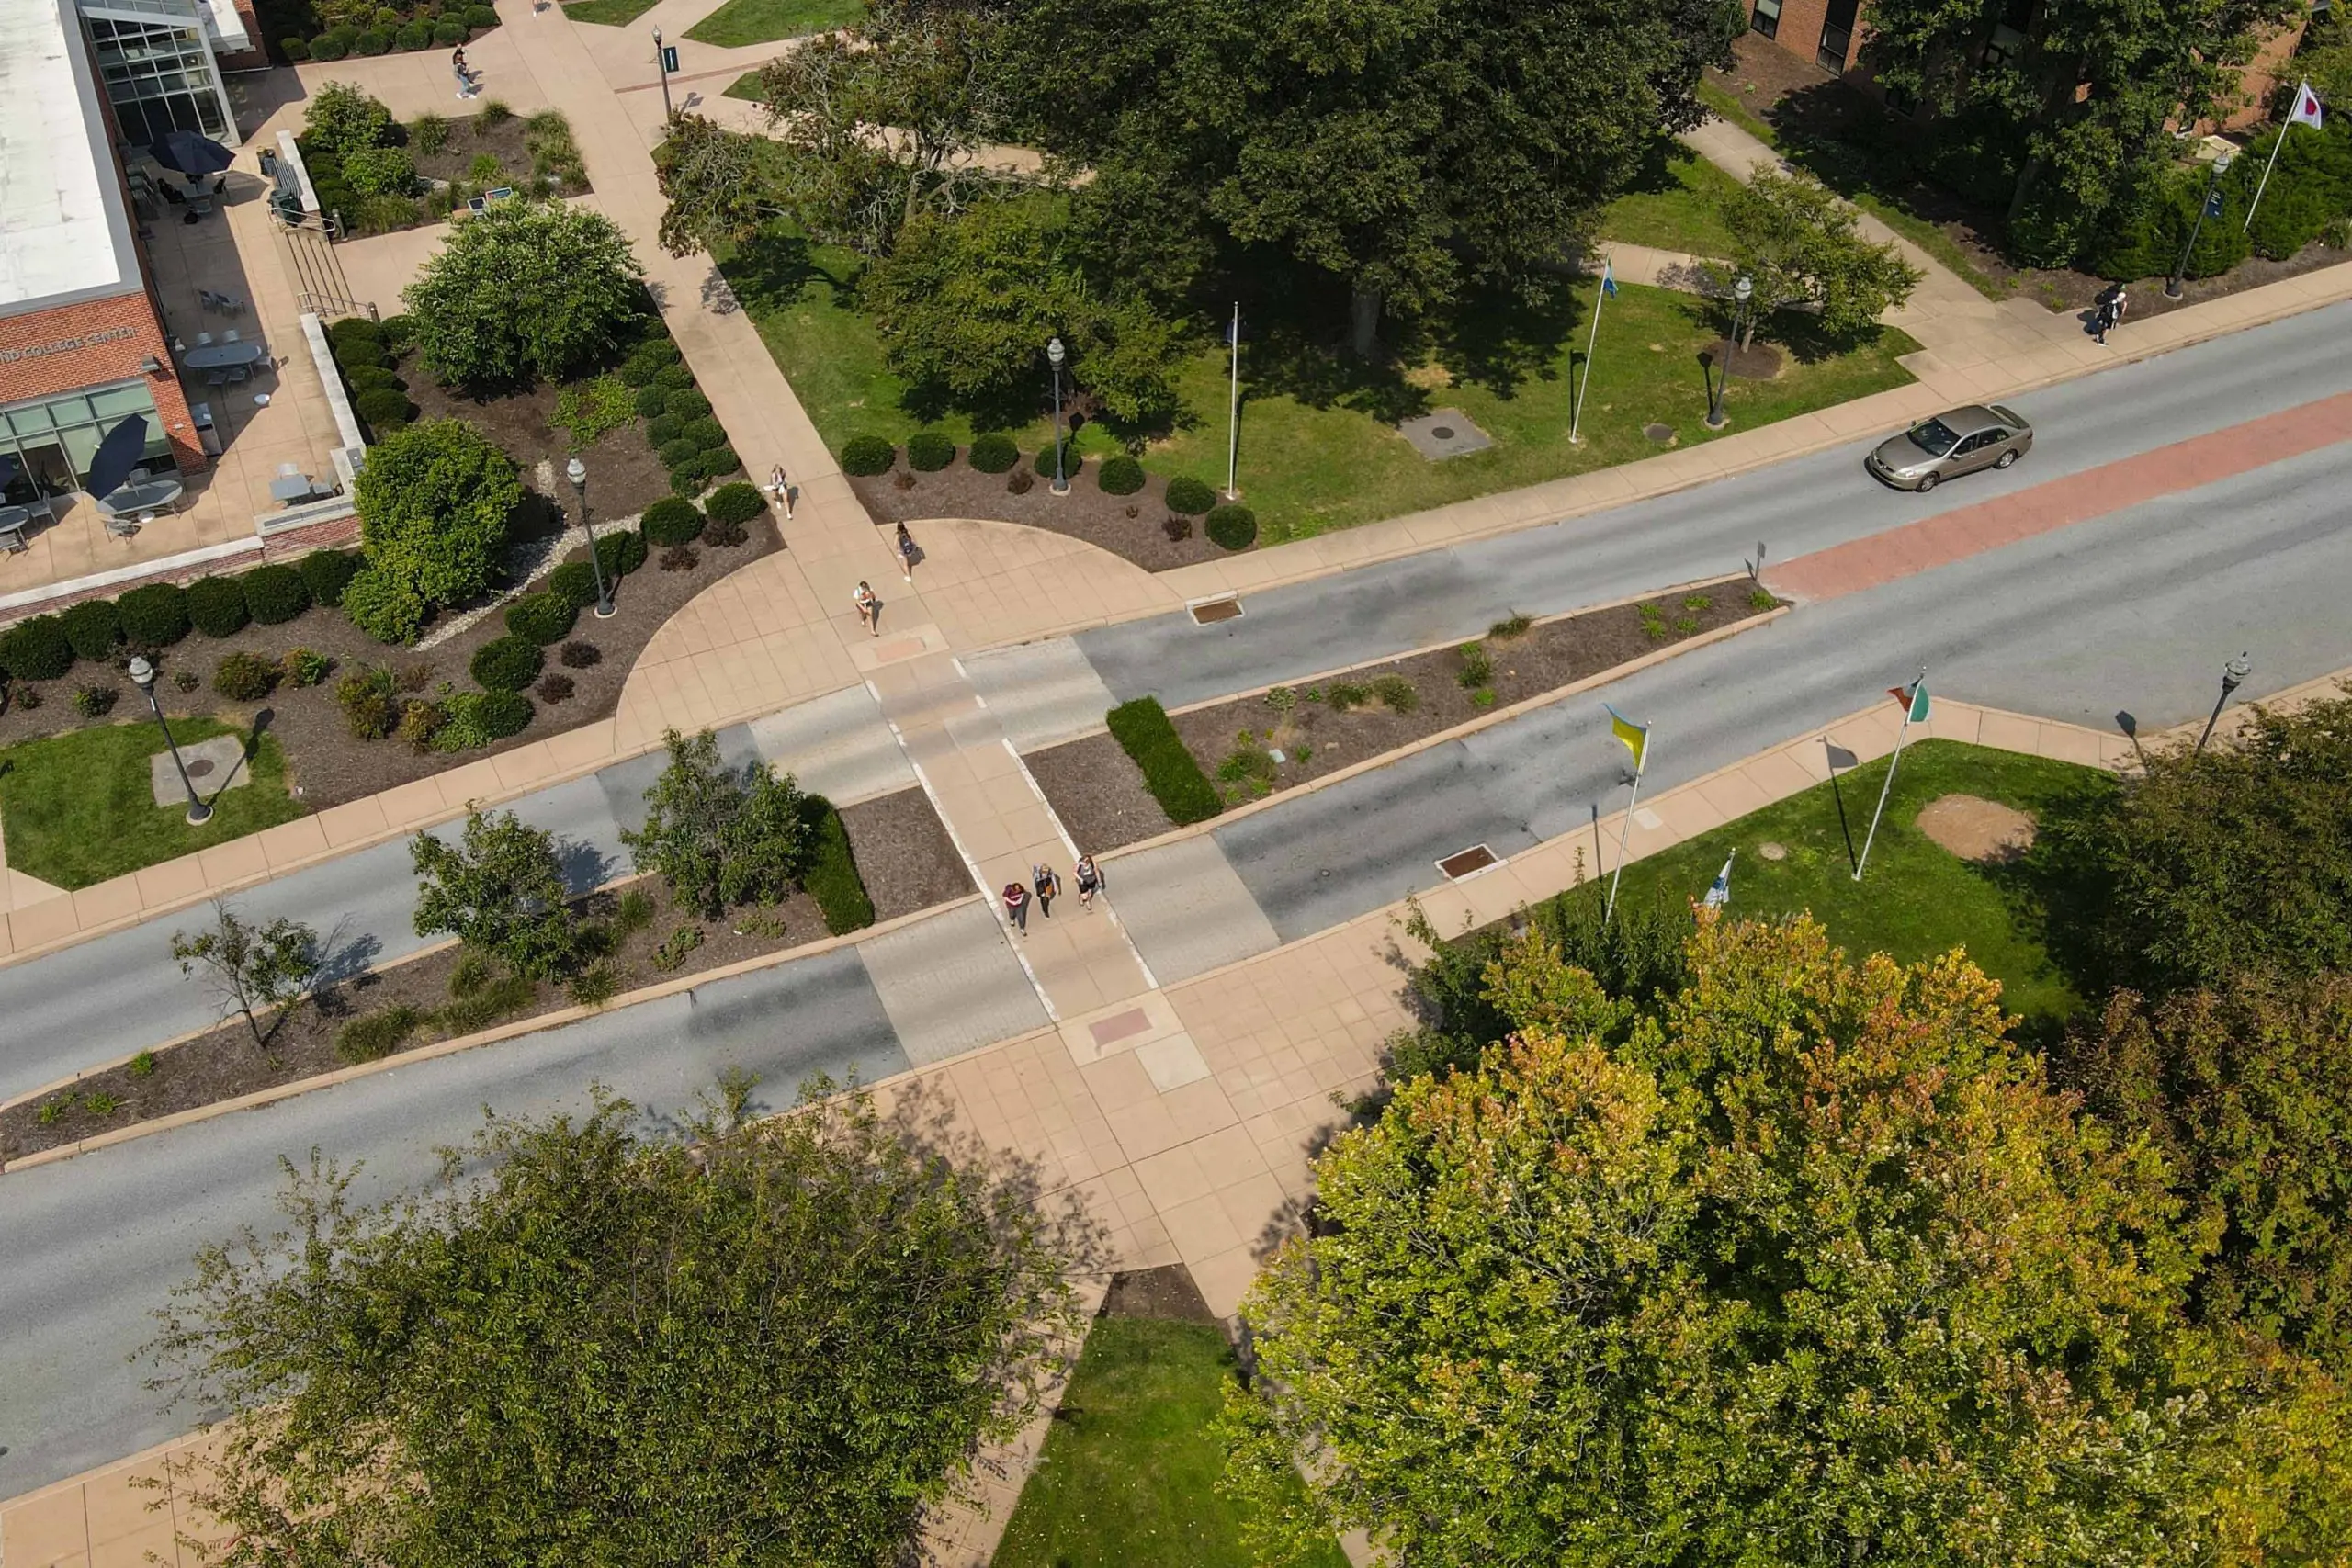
(950,984)
(213,766)
(1446,433)
(1043,692)
(1187,910)
(837,746)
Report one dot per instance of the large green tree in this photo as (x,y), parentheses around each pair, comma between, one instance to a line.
(1403,146)
(525,291)
(1813,1270)
(2082,101)
(499,890)
(1802,249)
(717,835)
(753,1344)
(434,500)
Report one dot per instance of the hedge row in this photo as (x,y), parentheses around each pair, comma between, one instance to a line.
(453,27)
(831,879)
(691,444)
(157,614)
(1144,732)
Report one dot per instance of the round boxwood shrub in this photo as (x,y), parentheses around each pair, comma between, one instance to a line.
(501,714)
(37,649)
(216,607)
(415,36)
(663,429)
(574,582)
(686,404)
(92,627)
(154,616)
(928,451)
(652,402)
(448,30)
(622,552)
(544,618)
(993,453)
(326,573)
(720,459)
(668,521)
(506,663)
(481,16)
(690,478)
(735,505)
(326,47)
(384,409)
(371,43)
(676,455)
(274,593)
(1233,525)
(1189,495)
(704,432)
(865,456)
(648,360)
(371,378)
(1121,475)
(674,377)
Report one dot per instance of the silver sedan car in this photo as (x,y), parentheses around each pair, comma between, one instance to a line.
(1958,442)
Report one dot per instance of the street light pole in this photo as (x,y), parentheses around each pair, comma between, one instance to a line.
(1054,356)
(577,472)
(1740,291)
(2210,210)
(142,675)
(662,64)
(2234,675)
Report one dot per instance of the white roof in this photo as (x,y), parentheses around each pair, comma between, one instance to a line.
(64,234)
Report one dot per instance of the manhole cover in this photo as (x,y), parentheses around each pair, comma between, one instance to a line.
(199,768)
(1443,432)
(1661,434)
(1216,610)
(1772,851)
(1478,857)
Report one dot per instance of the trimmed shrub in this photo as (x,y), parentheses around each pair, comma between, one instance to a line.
(37,649)
(448,30)
(668,521)
(677,454)
(831,879)
(325,47)
(993,453)
(1072,464)
(246,677)
(704,432)
(720,459)
(735,503)
(384,607)
(383,410)
(1142,731)
(542,619)
(652,402)
(1233,525)
(622,552)
(1189,495)
(577,655)
(677,377)
(154,616)
(477,718)
(478,17)
(216,607)
(420,723)
(415,36)
(689,478)
(664,429)
(928,451)
(648,360)
(1121,475)
(326,573)
(369,44)
(93,627)
(274,593)
(371,378)
(865,456)
(574,582)
(506,663)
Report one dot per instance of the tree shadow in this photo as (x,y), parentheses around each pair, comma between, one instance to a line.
(773,268)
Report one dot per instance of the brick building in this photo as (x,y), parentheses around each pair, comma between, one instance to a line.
(82,341)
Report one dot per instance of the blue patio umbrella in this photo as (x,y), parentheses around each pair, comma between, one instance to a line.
(192,154)
(116,455)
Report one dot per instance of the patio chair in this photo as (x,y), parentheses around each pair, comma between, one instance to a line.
(207,300)
(216,379)
(229,336)
(204,340)
(240,373)
(124,527)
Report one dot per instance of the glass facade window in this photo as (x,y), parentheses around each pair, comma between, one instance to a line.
(1765,18)
(160,75)
(54,439)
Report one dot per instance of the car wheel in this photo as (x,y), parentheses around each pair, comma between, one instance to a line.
(1927,482)
(2006,459)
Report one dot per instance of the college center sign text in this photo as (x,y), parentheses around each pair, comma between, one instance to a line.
(66,344)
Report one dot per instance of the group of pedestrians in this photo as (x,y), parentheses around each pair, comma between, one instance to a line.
(1044,886)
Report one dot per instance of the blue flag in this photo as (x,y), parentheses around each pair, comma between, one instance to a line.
(1608,277)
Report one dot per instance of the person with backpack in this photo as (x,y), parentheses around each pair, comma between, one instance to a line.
(1048,886)
(1089,881)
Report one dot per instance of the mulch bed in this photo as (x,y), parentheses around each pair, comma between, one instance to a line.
(905,857)
(1165,1292)
(1099,792)
(625,474)
(325,765)
(469,139)
(1133,527)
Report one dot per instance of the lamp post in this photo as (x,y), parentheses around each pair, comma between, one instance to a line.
(1740,293)
(577,472)
(142,675)
(2234,675)
(1054,356)
(2212,209)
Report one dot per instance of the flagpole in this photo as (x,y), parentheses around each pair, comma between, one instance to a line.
(1584,382)
(2248,225)
(1888,787)
(1608,912)
(1233,411)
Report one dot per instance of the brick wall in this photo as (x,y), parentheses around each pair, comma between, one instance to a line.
(128,331)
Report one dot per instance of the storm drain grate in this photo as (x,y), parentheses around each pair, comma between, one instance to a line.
(1462,862)
(1208,612)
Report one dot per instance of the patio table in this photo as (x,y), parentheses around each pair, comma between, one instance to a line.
(131,499)
(221,355)
(12,522)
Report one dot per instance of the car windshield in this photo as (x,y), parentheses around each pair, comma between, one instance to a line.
(1934,438)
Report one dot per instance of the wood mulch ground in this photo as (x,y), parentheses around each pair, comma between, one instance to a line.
(469,138)
(1134,527)
(325,764)
(1099,792)
(625,474)
(1165,1292)
(903,853)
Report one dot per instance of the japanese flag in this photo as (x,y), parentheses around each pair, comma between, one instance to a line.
(2306,107)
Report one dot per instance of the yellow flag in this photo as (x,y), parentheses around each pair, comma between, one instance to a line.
(1636,737)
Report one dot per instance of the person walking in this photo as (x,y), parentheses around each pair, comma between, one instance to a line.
(869,609)
(1016,906)
(1048,886)
(906,553)
(1088,881)
(465,77)
(780,491)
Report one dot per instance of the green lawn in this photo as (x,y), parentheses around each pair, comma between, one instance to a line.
(1128,1475)
(746,88)
(1675,205)
(741,22)
(1318,449)
(608,13)
(78,809)
(1916,899)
